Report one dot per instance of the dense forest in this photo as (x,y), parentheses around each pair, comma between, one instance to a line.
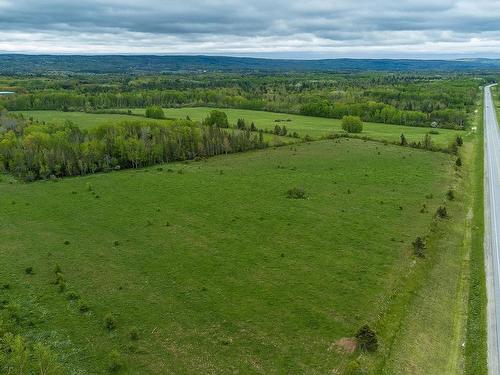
(405,99)
(34,151)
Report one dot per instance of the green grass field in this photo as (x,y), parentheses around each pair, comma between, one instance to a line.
(82,119)
(313,126)
(90,120)
(219,271)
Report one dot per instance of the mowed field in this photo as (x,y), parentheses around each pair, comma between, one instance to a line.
(219,271)
(315,127)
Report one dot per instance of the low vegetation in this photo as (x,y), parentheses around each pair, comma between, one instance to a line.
(341,251)
(352,124)
(305,127)
(182,268)
(155,112)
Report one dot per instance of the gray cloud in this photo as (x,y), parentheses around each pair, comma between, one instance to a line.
(319,28)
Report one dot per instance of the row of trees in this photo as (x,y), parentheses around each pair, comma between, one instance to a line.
(34,151)
(387,114)
(417,100)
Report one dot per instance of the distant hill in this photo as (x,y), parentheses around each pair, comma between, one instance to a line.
(22,64)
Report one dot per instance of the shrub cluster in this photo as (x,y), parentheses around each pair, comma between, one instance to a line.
(352,124)
(296,193)
(366,339)
(155,112)
(419,247)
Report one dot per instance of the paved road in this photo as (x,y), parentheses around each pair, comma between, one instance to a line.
(492,228)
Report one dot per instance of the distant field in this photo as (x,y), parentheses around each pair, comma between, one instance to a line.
(219,271)
(82,119)
(90,120)
(312,126)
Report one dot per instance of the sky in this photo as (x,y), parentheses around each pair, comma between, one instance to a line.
(260,28)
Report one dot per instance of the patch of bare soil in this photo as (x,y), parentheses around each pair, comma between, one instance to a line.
(345,345)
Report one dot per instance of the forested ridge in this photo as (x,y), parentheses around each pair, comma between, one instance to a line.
(404,99)
(44,64)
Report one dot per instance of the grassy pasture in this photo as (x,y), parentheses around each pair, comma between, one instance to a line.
(215,266)
(313,126)
(82,119)
(91,120)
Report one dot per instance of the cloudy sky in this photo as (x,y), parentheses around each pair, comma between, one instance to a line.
(268,28)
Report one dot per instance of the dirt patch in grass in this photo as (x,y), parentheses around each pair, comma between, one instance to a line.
(346,345)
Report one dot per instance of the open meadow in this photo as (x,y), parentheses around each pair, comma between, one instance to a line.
(209,267)
(315,127)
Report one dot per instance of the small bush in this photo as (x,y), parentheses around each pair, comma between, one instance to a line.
(352,124)
(441,212)
(28,270)
(367,339)
(62,286)
(83,307)
(403,141)
(57,269)
(59,278)
(116,243)
(307,138)
(419,246)
(459,141)
(450,195)
(155,112)
(296,193)
(66,242)
(458,163)
(72,295)
(109,322)
(115,361)
(133,334)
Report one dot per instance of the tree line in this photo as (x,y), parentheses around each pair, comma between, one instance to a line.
(404,99)
(388,114)
(34,151)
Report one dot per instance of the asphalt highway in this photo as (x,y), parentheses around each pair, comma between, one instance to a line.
(492,227)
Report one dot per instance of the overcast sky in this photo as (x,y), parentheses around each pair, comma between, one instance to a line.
(268,28)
